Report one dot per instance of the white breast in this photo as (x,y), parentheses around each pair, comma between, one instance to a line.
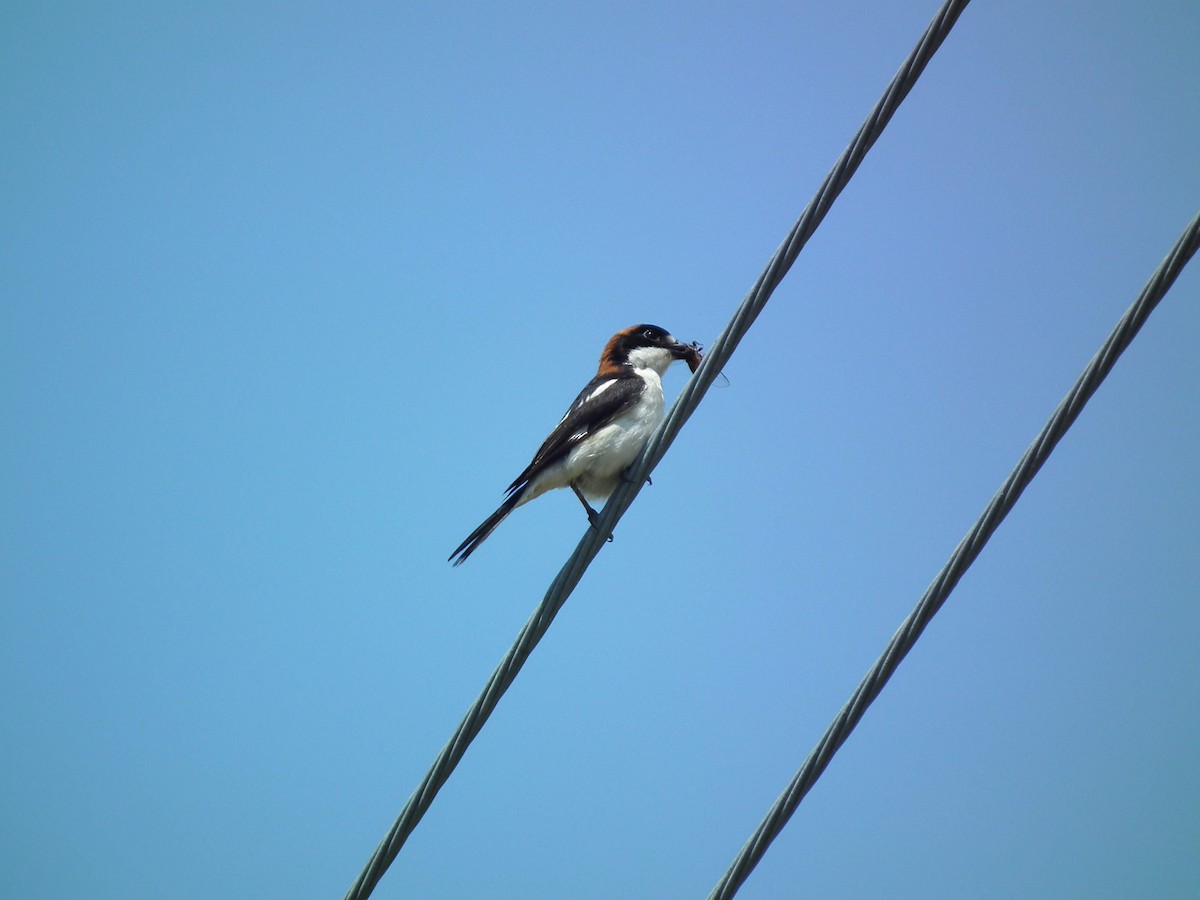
(596,465)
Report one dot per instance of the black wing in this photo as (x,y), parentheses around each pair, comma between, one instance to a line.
(589,413)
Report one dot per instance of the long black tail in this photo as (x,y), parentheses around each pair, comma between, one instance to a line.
(479,535)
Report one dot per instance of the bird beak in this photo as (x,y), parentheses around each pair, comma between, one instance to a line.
(680,350)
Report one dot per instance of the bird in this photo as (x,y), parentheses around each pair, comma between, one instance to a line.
(603,431)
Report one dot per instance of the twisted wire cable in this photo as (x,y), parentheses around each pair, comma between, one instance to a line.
(965,554)
(689,398)
(837,179)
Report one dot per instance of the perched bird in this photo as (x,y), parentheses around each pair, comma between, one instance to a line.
(604,430)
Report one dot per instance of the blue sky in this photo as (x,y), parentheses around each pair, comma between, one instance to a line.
(292,291)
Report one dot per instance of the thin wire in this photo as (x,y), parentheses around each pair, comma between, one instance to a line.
(779,265)
(970,547)
(594,538)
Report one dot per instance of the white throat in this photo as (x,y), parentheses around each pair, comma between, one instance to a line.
(656,359)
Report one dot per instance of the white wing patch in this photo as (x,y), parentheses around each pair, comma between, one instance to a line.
(600,389)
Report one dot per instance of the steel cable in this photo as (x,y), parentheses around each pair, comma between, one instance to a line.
(966,553)
(685,404)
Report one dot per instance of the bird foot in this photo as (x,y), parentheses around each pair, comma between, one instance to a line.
(625,478)
(593,516)
(594,521)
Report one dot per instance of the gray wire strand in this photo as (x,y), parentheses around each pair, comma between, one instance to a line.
(689,398)
(965,554)
(779,265)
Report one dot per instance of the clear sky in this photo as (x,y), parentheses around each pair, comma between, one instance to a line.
(291,291)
